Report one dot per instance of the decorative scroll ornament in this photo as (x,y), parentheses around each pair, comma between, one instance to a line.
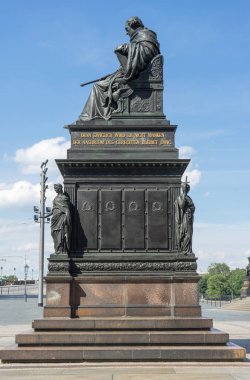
(86,206)
(61,267)
(157,68)
(110,206)
(139,104)
(156,206)
(137,266)
(133,206)
(158,100)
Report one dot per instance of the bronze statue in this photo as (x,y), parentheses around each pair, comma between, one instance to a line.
(61,221)
(184,218)
(134,58)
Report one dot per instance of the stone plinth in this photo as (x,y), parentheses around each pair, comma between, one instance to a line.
(138,284)
(123,296)
(245,290)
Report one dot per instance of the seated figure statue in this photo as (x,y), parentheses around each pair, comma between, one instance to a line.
(134,58)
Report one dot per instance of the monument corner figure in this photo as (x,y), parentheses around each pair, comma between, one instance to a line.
(184,218)
(61,221)
(134,58)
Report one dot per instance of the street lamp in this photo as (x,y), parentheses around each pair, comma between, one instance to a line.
(1,272)
(26,268)
(39,217)
(32,274)
(14,277)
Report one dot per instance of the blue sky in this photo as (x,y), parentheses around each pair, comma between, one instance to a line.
(49,47)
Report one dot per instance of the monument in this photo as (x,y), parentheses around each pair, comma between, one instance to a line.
(245,290)
(122,282)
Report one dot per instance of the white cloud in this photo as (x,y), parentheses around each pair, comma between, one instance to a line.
(227,243)
(247,253)
(30,158)
(19,239)
(186,151)
(193,175)
(22,194)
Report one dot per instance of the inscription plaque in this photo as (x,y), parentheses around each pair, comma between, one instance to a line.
(134,219)
(87,208)
(157,219)
(122,139)
(111,219)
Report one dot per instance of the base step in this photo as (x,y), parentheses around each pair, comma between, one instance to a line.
(122,337)
(122,353)
(130,323)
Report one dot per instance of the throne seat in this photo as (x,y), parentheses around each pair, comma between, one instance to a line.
(146,99)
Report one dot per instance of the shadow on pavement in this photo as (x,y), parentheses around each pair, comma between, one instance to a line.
(243,343)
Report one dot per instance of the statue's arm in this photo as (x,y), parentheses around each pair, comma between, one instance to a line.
(191,204)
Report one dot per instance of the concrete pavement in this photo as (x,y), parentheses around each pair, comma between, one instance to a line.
(120,371)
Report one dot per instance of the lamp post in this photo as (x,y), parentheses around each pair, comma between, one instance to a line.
(39,217)
(26,268)
(32,274)
(14,274)
(1,272)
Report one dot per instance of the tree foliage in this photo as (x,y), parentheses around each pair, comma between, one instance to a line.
(10,278)
(220,280)
(218,268)
(217,285)
(235,280)
(203,284)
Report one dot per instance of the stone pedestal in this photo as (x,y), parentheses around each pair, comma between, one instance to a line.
(122,177)
(245,290)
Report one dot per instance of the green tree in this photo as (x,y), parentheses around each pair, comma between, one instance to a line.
(203,284)
(218,268)
(235,280)
(217,285)
(10,278)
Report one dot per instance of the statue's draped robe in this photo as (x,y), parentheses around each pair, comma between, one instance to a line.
(61,223)
(102,101)
(184,217)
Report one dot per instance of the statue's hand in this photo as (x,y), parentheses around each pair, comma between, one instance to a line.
(121,80)
(118,48)
(121,48)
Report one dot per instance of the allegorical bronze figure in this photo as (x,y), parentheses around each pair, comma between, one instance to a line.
(61,221)
(184,218)
(134,58)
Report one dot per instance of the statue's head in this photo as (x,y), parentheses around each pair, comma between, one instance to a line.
(185,187)
(132,24)
(58,188)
